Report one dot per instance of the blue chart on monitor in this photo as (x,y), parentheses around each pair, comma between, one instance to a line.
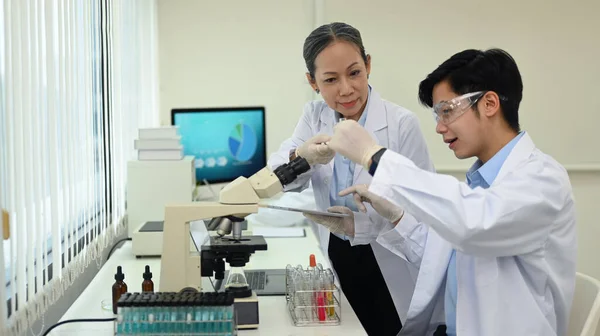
(242,142)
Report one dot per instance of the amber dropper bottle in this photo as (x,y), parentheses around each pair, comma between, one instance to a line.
(147,285)
(119,288)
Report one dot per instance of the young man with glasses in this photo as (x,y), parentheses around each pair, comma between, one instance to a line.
(498,252)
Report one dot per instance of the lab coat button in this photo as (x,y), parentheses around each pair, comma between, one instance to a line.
(326,180)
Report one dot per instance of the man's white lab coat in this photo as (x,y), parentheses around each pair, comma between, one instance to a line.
(516,243)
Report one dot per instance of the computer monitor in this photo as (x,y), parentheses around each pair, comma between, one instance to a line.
(226,142)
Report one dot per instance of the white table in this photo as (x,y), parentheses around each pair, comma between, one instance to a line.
(274,316)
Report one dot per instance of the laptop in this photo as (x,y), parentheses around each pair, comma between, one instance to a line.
(265,282)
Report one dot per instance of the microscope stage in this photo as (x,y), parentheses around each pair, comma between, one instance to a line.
(247,244)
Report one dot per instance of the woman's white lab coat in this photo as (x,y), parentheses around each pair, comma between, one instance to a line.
(394,127)
(515,242)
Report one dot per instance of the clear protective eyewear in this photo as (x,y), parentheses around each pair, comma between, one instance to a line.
(446,112)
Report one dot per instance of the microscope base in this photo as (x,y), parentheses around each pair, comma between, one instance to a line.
(246,312)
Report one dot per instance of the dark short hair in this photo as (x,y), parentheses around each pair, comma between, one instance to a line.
(477,70)
(326,34)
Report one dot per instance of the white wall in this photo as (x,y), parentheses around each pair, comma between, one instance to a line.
(555,43)
(246,53)
(235,53)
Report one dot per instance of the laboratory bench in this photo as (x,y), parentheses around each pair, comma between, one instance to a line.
(274,316)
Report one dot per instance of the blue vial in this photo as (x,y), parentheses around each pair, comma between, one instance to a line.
(156,309)
(151,318)
(205,315)
(198,313)
(119,322)
(128,316)
(174,315)
(142,315)
(220,324)
(122,311)
(183,313)
(135,316)
(213,315)
(166,316)
(189,314)
(230,314)
(173,311)
(180,315)
(210,316)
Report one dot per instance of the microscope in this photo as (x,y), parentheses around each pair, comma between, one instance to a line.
(182,269)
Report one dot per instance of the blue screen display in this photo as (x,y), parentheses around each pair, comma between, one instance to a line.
(226,144)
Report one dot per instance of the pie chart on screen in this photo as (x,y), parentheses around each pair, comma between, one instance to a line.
(242,142)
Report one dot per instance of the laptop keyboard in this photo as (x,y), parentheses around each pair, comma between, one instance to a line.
(256,279)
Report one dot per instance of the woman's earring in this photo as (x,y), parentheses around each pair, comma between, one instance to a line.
(317,91)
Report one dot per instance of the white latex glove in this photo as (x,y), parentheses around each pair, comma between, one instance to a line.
(339,225)
(383,207)
(354,142)
(315,151)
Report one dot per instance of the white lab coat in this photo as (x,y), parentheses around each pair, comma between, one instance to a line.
(515,242)
(394,127)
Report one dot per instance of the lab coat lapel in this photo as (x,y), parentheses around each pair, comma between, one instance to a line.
(519,153)
(376,125)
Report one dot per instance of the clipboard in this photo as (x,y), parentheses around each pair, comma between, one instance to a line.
(313,212)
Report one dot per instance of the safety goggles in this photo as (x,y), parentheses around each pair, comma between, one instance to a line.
(446,112)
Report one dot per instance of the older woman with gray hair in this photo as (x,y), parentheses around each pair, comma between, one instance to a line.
(377,283)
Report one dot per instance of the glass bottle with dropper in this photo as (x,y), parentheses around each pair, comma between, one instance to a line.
(147,284)
(118,288)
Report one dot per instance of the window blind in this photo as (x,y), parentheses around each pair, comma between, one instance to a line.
(77,80)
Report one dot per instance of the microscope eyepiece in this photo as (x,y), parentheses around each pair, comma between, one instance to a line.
(288,172)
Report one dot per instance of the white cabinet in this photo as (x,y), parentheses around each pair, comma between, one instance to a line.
(152,184)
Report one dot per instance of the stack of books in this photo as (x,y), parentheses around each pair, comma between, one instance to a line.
(159,143)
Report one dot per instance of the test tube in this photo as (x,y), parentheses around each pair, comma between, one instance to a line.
(320,297)
(329,284)
(289,270)
(310,297)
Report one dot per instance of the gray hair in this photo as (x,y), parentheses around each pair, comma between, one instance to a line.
(326,34)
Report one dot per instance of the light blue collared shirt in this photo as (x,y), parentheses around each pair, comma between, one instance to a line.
(478,176)
(343,173)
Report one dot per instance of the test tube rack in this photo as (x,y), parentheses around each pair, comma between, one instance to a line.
(176,314)
(313,298)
